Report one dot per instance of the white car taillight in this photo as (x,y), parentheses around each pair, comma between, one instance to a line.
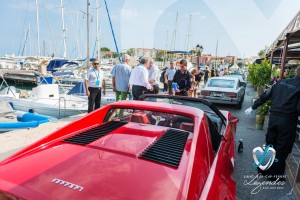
(232,95)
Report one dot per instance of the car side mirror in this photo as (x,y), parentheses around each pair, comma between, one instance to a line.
(234,119)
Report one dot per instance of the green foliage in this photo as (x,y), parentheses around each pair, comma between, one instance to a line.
(160,55)
(159,59)
(264,109)
(130,51)
(193,52)
(105,49)
(262,52)
(260,74)
(292,71)
(114,54)
(240,64)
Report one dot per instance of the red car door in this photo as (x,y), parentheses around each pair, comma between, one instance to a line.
(220,183)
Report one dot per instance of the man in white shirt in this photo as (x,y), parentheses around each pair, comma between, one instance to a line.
(94,80)
(139,79)
(154,74)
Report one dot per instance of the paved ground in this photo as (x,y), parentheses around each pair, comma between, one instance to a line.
(243,164)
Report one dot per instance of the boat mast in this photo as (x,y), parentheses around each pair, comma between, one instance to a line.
(29,40)
(216,54)
(112,30)
(88,35)
(64,29)
(165,52)
(38,26)
(175,31)
(97,33)
(188,34)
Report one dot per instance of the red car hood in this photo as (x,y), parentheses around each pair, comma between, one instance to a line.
(108,168)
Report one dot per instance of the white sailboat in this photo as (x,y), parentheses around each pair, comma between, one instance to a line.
(46,100)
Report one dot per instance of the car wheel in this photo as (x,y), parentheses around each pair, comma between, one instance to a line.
(239,105)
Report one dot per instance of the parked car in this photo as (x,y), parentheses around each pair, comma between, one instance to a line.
(224,90)
(130,150)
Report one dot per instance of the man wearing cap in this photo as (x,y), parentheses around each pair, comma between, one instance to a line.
(139,79)
(169,75)
(183,78)
(154,74)
(94,80)
(120,78)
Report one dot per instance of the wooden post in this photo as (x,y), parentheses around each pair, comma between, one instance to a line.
(283,58)
(272,57)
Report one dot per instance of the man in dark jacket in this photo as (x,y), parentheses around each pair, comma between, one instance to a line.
(206,75)
(183,78)
(284,111)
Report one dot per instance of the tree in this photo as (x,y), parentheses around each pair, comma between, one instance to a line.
(114,54)
(240,62)
(160,55)
(260,74)
(193,52)
(130,51)
(262,52)
(105,49)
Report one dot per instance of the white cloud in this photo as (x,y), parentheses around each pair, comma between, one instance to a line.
(129,14)
(196,13)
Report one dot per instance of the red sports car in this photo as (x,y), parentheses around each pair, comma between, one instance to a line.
(173,148)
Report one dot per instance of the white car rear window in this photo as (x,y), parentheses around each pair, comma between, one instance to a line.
(222,83)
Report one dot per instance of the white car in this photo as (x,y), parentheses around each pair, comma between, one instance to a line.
(224,90)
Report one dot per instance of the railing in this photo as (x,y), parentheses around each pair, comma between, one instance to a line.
(59,109)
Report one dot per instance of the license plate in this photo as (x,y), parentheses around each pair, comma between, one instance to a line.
(218,94)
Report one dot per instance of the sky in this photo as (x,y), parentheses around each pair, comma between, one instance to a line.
(239,27)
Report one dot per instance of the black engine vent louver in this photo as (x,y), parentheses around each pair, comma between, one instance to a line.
(91,135)
(168,148)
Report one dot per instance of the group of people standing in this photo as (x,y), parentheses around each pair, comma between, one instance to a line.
(142,79)
(214,72)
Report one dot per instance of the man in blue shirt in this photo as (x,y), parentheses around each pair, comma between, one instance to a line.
(169,75)
(120,78)
(94,80)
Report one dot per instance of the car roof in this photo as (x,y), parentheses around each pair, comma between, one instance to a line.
(240,77)
(161,107)
(225,77)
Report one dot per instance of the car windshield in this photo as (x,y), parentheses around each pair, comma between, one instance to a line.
(151,117)
(186,102)
(221,83)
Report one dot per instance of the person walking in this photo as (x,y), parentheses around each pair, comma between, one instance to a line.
(120,78)
(139,79)
(94,82)
(222,72)
(284,112)
(212,72)
(164,80)
(206,75)
(169,75)
(183,79)
(154,75)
